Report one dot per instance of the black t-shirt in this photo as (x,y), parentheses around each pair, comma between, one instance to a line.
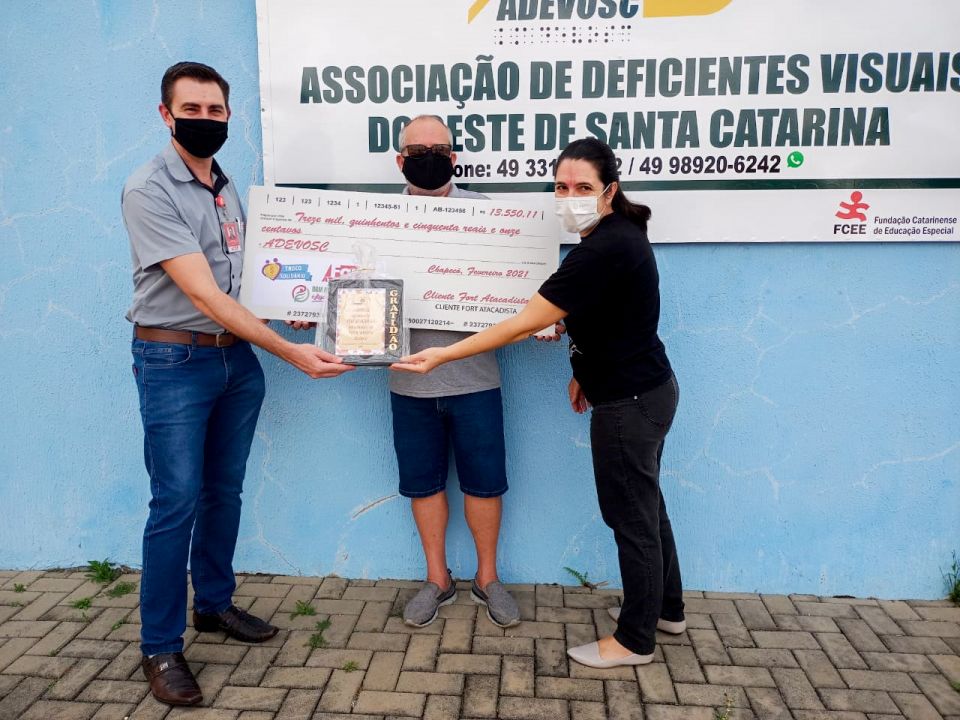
(610,288)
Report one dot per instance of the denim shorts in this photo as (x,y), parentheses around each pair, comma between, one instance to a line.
(424,430)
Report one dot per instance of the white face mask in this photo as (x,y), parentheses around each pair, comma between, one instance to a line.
(578,214)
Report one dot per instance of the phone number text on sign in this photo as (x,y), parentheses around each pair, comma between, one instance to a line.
(466,264)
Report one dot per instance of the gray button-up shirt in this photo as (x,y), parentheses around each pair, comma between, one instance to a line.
(169,213)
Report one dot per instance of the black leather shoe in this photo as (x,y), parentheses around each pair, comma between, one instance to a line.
(171,680)
(236,623)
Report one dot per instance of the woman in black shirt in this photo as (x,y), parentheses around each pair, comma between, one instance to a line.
(607,291)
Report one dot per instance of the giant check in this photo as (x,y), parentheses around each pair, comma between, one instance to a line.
(466,264)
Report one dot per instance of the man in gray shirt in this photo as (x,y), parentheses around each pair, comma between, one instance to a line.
(459,404)
(199,382)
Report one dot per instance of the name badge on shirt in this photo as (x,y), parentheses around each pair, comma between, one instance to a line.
(232,235)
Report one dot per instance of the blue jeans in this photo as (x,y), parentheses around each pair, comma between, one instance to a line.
(626,438)
(199,407)
(424,429)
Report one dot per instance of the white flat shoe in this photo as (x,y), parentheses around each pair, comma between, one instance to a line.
(589,655)
(668,626)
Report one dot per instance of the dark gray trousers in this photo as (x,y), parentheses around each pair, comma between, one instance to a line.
(627,438)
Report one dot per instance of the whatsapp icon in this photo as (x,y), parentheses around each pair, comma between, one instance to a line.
(795,159)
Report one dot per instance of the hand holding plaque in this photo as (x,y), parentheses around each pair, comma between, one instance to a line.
(364,323)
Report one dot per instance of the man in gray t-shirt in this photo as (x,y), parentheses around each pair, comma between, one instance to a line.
(458,406)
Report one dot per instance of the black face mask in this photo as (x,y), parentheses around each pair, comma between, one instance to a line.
(200,138)
(429,171)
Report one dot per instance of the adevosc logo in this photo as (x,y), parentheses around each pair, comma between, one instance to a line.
(590,9)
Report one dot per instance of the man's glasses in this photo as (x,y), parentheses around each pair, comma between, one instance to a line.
(421,150)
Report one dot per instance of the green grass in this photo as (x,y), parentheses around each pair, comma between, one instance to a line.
(103,571)
(582,579)
(116,625)
(951,579)
(955,685)
(350,666)
(121,589)
(303,608)
(724,714)
(317,640)
(82,604)
(19,587)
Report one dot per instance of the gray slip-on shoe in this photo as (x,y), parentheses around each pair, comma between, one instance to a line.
(423,607)
(501,607)
(589,655)
(670,627)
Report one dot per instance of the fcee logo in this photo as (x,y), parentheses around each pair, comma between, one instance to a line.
(852,210)
(591,9)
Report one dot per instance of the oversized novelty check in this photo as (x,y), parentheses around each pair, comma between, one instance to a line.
(465,264)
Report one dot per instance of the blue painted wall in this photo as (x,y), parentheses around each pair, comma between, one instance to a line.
(816,449)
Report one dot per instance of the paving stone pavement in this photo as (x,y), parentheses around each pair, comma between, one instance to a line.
(743,656)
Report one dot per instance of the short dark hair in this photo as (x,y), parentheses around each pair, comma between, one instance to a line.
(600,155)
(196,71)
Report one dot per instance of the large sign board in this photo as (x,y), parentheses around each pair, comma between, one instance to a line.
(735,120)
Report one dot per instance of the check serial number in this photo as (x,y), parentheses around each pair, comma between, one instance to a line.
(431,321)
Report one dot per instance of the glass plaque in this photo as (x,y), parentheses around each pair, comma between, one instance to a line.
(365,320)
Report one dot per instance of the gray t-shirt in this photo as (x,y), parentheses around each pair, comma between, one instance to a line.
(169,213)
(472,374)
